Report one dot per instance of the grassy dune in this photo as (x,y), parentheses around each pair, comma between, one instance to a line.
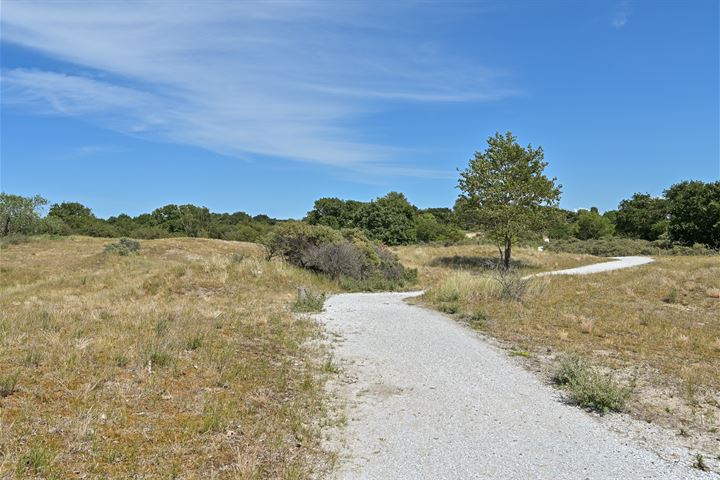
(183,360)
(656,327)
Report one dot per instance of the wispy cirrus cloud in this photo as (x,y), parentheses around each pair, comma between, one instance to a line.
(621,16)
(246,79)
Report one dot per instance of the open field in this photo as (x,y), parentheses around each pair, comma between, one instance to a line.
(183,360)
(655,327)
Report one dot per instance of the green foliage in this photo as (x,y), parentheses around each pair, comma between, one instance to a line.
(591,225)
(694,210)
(123,247)
(389,219)
(187,220)
(333,212)
(572,366)
(347,256)
(699,463)
(293,241)
(588,387)
(642,216)
(598,392)
(429,229)
(8,384)
(505,189)
(36,462)
(80,220)
(617,247)
(19,215)
(308,302)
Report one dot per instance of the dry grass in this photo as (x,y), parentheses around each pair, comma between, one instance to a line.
(183,361)
(656,327)
(434,263)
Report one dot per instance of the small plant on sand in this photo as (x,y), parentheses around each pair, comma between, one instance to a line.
(8,384)
(308,302)
(590,388)
(699,463)
(123,247)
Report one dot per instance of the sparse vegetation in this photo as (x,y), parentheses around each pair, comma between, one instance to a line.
(699,463)
(588,387)
(617,247)
(309,302)
(8,384)
(123,247)
(177,359)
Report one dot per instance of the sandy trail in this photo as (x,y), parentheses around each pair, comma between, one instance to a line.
(429,399)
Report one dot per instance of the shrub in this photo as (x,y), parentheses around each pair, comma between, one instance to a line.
(512,285)
(347,256)
(307,302)
(337,259)
(572,367)
(14,239)
(8,384)
(589,388)
(617,247)
(124,246)
(598,392)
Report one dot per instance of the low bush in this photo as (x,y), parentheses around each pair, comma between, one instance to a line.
(124,246)
(308,302)
(14,239)
(8,384)
(572,367)
(590,388)
(347,256)
(512,285)
(618,247)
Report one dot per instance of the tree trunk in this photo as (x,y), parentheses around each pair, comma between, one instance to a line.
(508,250)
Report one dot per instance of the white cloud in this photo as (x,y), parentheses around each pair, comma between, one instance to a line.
(622,14)
(246,79)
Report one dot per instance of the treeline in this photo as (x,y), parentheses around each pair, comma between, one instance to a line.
(688,213)
(20,215)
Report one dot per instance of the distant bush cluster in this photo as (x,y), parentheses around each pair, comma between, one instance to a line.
(618,246)
(123,247)
(346,255)
(391,219)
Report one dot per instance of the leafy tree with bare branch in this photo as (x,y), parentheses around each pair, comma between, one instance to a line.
(506,190)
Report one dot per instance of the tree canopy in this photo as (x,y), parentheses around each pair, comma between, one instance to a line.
(506,190)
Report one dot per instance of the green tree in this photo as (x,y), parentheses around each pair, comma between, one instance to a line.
(694,211)
(74,214)
(642,216)
(81,220)
(389,219)
(506,189)
(19,215)
(591,225)
(188,220)
(329,212)
(428,228)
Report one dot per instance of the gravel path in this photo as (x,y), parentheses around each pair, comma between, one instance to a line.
(617,264)
(429,399)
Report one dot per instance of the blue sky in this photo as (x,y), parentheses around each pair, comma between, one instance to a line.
(266,106)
